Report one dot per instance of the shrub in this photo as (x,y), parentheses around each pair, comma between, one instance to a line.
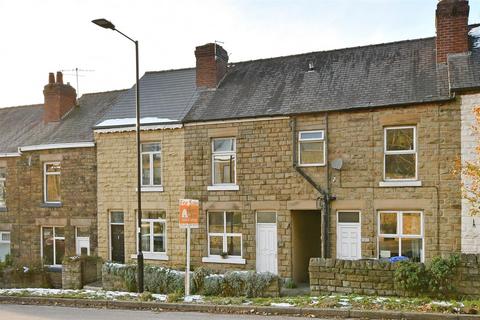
(436,279)
(168,281)
(442,271)
(411,276)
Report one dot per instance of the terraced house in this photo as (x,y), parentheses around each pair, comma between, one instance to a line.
(347,153)
(48,203)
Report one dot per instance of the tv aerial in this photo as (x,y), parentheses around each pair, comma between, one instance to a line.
(76,72)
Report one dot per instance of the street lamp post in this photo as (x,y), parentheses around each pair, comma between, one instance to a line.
(108,25)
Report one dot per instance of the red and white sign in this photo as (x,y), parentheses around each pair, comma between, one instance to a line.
(189,213)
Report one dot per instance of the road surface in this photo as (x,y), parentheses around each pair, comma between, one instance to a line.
(23,312)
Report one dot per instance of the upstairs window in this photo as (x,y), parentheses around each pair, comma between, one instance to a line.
(151,164)
(3,178)
(51,181)
(224,161)
(400,151)
(311,148)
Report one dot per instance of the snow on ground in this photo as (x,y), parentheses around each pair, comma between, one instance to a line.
(193,298)
(282,305)
(90,294)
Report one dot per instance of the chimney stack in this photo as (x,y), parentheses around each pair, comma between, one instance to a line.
(452,28)
(212,61)
(59,98)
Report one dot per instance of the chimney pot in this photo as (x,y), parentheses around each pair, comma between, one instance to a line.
(51,78)
(59,77)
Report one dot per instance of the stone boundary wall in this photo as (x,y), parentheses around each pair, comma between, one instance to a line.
(80,271)
(13,278)
(374,277)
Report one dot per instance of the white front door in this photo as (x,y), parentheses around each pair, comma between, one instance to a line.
(267,242)
(348,236)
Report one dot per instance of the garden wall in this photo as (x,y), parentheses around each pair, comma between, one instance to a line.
(373,277)
(24,278)
(79,271)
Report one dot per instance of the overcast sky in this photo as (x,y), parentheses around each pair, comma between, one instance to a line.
(44,36)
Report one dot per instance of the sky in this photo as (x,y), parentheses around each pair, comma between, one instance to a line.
(38,37)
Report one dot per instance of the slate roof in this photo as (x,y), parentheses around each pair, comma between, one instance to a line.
(464,68)
(24,126)
(377,75)
(166,95)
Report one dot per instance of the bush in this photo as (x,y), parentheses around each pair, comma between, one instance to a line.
(411,276)
(167,281)
(435,279)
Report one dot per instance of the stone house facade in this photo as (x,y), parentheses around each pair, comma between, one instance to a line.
(48,160)
(347,154)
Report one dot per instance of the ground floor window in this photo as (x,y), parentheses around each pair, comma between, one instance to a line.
(4,244)
(53,245)
(400,233)
(225,234)
(154,229)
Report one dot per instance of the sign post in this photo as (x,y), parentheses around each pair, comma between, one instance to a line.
(189,218)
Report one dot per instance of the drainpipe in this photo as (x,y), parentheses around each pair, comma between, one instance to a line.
(325,198)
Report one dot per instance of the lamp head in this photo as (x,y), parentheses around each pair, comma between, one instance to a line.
(104,23)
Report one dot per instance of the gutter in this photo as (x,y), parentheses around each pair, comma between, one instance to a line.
(56,146)
(10,155)
(326,197)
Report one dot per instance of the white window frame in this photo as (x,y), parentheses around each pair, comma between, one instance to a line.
(6,241)
(45,174)
(218,258)
(224,186)
(54,246)
(300,140)
(399,233)
(81,238)
(153,255)
(3,203)
(151,185)
(397,152)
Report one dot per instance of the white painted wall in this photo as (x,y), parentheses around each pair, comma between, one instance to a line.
(470,225)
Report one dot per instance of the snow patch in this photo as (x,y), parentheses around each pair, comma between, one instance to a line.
(281,305)
(475,32)
(133,121)
(194,298)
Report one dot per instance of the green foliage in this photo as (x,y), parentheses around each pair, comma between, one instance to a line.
(146,296)
(411,276)
(442,272)
(436,279)
(167,281)
(290,284)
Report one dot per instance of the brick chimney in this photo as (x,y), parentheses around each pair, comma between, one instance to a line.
(212,62)
(452,28)
(59,98)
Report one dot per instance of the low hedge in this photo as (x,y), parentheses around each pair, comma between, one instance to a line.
(203,281)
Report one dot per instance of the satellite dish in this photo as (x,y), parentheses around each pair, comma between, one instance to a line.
(337,164)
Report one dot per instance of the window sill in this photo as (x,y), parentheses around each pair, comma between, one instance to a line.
(415,183)
(235,260)
(51,205)
(232,187)
(3,209)
(312,165)
(151,189)
(152,256)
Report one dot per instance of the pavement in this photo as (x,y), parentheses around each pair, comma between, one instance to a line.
(25,312)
